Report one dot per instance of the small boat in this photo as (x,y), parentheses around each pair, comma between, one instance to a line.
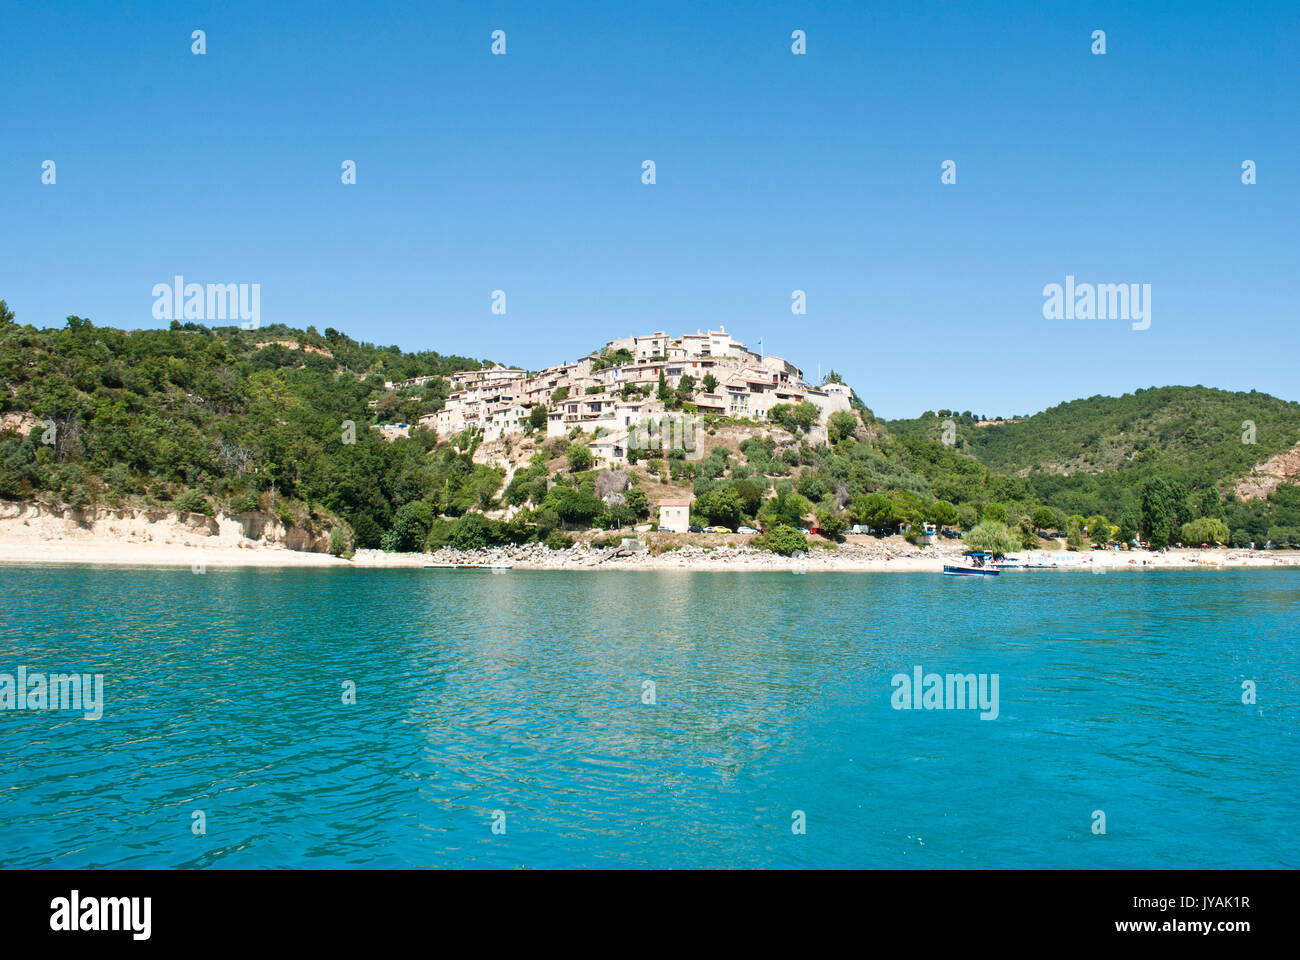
(978,564)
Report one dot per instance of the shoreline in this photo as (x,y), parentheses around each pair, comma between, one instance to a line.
(894,556)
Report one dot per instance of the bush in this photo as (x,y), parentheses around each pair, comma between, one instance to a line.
(842,425)
(1204,530)
(439,534)
(556,540)
(721,507)
(245,503)
(579,457)
(1074,535)
(191,501)
(411,526)
(366,533)
(783,540)
(795,418)
(340,541)
(994,537)
(474,531)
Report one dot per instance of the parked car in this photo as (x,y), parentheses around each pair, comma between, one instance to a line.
(694,528)
(746,530)
(663,529)
(717,529)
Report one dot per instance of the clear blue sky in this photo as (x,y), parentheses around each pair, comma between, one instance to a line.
(775,172)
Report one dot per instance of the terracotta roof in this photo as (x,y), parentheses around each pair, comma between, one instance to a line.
(677,502)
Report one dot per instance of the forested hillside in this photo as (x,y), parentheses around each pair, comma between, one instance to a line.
(1096,455)
(278,420)
(224,418)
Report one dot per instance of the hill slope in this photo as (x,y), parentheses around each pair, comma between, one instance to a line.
(198,420)
(1190,434)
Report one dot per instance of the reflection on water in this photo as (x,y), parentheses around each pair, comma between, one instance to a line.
(523,693)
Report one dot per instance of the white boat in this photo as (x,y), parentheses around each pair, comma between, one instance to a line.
(978,564)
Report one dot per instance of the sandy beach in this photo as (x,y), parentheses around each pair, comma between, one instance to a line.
(886,556)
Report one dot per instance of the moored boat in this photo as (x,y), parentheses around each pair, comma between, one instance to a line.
(978,564)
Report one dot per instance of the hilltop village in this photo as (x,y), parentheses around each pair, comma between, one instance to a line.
(632,381)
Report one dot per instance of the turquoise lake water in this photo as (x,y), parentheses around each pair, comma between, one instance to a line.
(522,693)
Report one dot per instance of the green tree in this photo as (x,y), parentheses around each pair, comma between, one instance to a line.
(473,531)
(722,507)
(1209,530)
(637,502)
(579,457)
(575,506)
(339,542)
(1074,535)
(831,520)
(942,513)
(1028,536)
(782,539)
(411,526)
(796,418)
(786,508)
(995,512)
(1128,527)
(841,425)
(993,536)
(685,389)
(751,497)
(1208,504)
(874,510)
(1164,511)
(1045,518)
(192,501)
(709,383)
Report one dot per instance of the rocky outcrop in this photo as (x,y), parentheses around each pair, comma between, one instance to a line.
(23,520)
(1268,476)
(21,422)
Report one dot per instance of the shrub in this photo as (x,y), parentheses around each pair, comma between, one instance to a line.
(245,503)
(474,532)
(994,537)
(411,526)
(191,501)
(782,539)
(579,457)
(1205,530)
(340,541)
(1074,535)
(366,533)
